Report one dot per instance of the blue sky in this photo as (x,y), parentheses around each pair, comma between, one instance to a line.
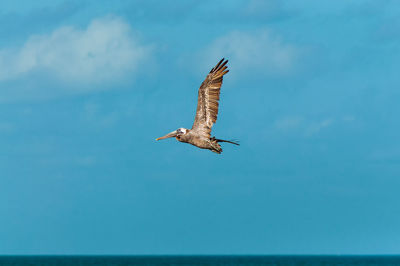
(312,95)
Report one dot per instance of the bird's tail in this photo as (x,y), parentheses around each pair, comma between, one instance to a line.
(236,142)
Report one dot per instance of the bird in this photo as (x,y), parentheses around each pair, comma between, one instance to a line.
(206,114)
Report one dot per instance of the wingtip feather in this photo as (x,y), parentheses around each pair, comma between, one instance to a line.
(220,65)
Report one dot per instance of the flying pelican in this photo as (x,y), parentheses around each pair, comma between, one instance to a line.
(206,114)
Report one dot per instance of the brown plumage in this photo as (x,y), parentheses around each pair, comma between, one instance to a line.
(206,114)
(207,102)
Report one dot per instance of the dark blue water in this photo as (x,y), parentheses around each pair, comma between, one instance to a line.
(198,260)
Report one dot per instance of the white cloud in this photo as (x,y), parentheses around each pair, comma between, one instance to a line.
(289,122)
(105,51)
(305,126)
(316,127)
(261,51)
(349,118)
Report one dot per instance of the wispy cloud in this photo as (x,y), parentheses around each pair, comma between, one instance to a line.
(261,52)
(105,51)
(290,122)
(302,125)
(316,127)
(349,118)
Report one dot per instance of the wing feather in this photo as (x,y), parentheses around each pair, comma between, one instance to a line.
(207,102)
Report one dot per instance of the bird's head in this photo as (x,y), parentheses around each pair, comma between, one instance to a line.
(177,133)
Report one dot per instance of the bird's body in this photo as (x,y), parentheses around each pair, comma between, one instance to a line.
(206,114)
(200,141)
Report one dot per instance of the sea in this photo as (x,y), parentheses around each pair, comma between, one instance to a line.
(197,260)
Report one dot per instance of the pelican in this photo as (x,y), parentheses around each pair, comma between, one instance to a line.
(206,114)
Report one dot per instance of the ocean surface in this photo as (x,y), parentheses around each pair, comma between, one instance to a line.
(198,260)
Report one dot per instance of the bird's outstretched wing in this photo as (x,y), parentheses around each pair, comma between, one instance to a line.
(207,102)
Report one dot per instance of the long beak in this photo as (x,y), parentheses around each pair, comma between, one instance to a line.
(169,135)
